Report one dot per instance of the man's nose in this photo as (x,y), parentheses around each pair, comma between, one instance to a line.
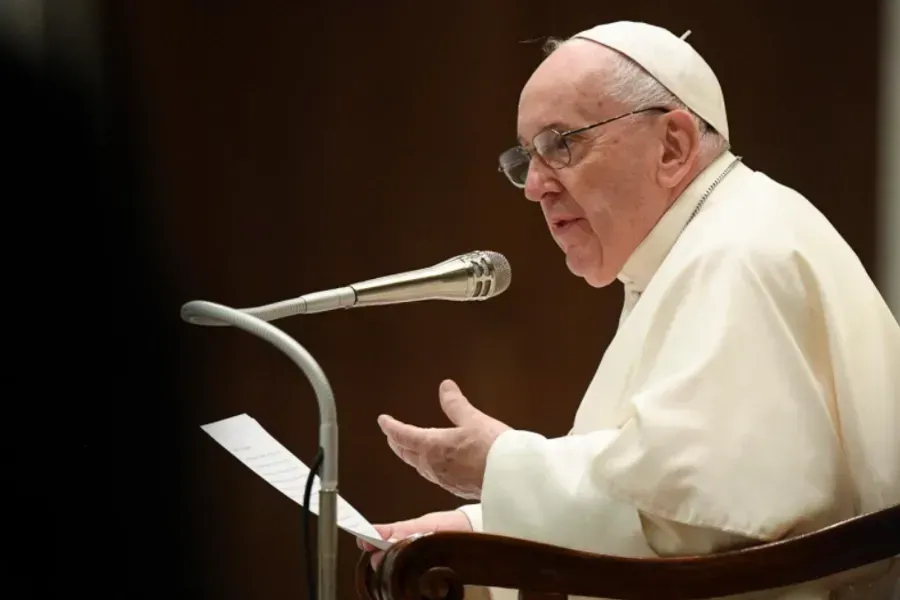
(540,181)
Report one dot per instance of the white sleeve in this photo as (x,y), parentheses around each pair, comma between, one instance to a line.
(539,489)
(729,438)
(473,513)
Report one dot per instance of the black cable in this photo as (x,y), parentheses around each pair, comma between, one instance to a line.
(307,538)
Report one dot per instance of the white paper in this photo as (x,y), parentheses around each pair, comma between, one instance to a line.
(247,441)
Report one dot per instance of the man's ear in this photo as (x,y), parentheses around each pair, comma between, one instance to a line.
(680,146)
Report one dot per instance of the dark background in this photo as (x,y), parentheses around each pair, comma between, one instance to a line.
(164,151)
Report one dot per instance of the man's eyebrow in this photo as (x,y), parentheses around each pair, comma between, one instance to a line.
(555,125)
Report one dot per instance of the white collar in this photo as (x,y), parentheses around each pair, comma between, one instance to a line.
(649,255)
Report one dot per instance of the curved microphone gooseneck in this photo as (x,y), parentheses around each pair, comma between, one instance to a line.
(328,429)
(477,275)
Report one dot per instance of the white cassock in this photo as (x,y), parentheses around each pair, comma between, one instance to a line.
(751,393)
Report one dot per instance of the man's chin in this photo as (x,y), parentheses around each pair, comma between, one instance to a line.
(594,275)
(597,281)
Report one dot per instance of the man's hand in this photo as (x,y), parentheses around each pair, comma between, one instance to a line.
(451,520)
(455,457)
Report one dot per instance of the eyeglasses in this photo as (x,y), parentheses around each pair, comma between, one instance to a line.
(552,147)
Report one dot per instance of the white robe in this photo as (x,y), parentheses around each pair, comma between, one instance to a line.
(751,393)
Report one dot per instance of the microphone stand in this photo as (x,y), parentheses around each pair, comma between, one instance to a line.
(328,429)
(475,275)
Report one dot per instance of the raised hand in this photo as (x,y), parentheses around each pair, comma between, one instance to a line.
(454,457)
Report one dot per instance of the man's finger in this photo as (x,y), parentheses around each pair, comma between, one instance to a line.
(403,529)
(415,460)
(429,478)
(427,474)
(407,436)
(386,531)
(408,456)
(456,406)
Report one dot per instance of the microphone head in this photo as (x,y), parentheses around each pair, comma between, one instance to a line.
(476,275)
(491,271)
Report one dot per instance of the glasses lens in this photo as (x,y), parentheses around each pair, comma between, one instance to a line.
(552,148)
(514,164)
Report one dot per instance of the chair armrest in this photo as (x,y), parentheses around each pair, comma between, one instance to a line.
(437,566)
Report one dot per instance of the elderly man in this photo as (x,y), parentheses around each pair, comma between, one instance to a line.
(752,390)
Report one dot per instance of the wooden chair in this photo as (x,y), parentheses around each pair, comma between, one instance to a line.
(442,565)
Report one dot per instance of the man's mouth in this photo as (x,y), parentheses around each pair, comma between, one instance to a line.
(561,224)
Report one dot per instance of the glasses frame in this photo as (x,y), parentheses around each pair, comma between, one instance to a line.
(564,137)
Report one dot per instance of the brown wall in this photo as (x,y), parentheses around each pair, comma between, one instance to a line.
(296,146)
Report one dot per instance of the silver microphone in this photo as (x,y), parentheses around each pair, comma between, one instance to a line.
(472,276)
(477,275)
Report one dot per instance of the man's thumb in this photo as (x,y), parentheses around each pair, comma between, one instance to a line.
(454,404)
(385,531)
